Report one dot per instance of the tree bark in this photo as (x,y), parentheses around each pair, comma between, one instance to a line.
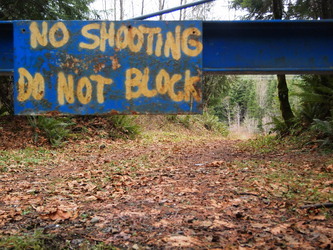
(115,9)
(326,9)
(142,7)
(283,91)
(6,94)
(181,11)
(283,94)
(121,9)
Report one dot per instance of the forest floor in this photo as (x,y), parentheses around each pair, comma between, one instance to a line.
(163,190)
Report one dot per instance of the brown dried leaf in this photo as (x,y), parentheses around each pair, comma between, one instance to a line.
(60,215)
(278,229)
(182,241)
(219,223)
(58,212)
(205,223)
(215,164)
(318,217)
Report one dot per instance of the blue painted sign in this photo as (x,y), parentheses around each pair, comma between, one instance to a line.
(94,67)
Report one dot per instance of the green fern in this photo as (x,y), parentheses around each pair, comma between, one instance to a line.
(124,127)
(316,98)
(325,130)
(212,123)
(55,129)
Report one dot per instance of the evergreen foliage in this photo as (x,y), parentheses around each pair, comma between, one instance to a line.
(212,123)
(124,126)
(325,131)
(215,88)
(44,9)
(56,130)
(257,9)
(247,99)
(316,97)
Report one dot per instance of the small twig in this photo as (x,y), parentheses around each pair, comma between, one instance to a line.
(319,205)
(244,193)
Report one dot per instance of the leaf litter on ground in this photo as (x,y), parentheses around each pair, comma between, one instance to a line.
(163,191)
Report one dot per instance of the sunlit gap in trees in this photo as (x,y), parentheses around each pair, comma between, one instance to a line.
(246,103)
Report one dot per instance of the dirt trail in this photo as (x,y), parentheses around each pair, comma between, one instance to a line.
(165,192)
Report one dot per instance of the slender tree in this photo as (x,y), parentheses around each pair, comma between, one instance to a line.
(121,9)
(142,7)
(161,4)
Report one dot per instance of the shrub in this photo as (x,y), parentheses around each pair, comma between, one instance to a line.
(56,130)
(212,123)
(184,120)
(261,144)
(325,130)
(124,127)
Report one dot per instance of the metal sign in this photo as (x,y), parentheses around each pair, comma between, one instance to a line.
(94,67)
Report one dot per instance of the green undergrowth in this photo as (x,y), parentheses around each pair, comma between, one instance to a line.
(271,143)
(261,144)
(56,130)
(205,123)
(41,241)
(35,241)
(26,157)
(124,127)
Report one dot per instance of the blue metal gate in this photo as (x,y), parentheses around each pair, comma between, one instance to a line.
(148,67)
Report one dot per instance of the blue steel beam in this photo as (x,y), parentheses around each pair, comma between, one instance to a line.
(243,47)
(265,47)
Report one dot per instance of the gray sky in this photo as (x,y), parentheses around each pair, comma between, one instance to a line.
(220,9)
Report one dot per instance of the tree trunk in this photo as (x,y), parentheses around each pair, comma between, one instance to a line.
(181,11)
(161,7)
(283,91)
(115,9)
(6,94)
(326,9)
(121,9)
(283,94)
(142,7)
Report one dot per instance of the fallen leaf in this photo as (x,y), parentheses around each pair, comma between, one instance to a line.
(318,217)
(205,223)
(280,229)
(91,198)
(60,212)
(259,225)
(219,223)
(215,164)
(182,241)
